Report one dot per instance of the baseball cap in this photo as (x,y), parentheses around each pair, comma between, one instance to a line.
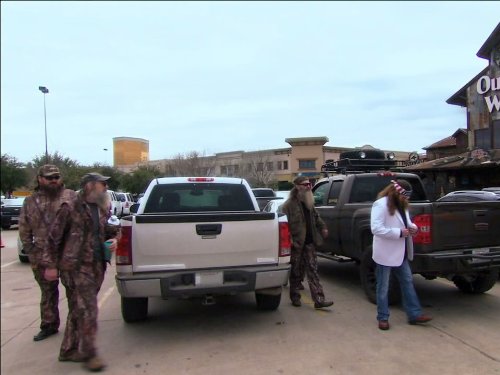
(48,170)
(93,177)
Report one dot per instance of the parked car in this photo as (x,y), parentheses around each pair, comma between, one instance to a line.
(10,210)
(126,201)
(495,190)
(469,196)
(116,205)
(274,205)
(263,195)
(23,257)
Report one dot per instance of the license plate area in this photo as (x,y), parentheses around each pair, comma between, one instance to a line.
(215,278)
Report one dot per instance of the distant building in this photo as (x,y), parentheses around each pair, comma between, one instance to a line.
(273,167)
(128,151)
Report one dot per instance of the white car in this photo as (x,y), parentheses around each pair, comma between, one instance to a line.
(116,205)
(126,201)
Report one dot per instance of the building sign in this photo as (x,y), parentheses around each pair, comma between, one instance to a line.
(486,84)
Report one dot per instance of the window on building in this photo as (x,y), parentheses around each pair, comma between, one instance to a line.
(285,164)
(223,170)
(307,164)
(496,134)
(269,166)
(260,167)
(482,138)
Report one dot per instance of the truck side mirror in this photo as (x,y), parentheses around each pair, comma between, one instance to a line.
(134,208)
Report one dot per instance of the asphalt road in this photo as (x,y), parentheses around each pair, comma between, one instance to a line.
(232,337)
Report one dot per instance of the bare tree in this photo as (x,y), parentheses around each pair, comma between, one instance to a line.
(258,169)
(191,164)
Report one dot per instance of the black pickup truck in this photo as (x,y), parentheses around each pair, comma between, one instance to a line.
(459,241)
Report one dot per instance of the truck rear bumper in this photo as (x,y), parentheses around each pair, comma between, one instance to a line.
(457,261)
(189,283)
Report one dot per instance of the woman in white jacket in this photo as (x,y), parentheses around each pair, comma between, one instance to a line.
(392,231)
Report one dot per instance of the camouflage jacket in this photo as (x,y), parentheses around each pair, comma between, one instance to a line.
(37,216)
(297,223)
(72,235)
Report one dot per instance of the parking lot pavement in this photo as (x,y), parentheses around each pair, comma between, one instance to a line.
(233,337)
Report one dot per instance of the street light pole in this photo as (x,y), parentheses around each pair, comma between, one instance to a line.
(45,90)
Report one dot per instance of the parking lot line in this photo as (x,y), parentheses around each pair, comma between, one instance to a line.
(105,296)
(8,264)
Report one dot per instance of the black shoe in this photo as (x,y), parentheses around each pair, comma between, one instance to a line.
(297,303)
(44,333)
(320,305)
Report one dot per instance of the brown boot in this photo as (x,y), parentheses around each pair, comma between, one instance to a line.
(72,356)
(94,364)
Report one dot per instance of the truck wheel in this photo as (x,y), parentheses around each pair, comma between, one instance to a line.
(24,259)
(476,283)
(267,301)
(134,309)
(369,280)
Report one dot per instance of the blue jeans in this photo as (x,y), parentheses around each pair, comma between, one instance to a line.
(403,273)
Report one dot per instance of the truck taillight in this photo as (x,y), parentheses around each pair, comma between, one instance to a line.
(285,240)
(124,249)
(424,223)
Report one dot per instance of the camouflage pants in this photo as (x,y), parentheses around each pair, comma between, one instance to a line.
(49,309)
(303,261)
(81,326)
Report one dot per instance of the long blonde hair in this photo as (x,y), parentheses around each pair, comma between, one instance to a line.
(394,198)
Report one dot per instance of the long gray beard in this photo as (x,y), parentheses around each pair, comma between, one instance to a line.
(307,198)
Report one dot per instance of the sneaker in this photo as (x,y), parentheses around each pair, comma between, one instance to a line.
(320,305)
(383,325)
(297,303)
(44,333)
(94,364)
(421,319)
(72,357)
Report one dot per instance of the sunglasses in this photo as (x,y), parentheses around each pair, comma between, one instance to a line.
(52,178)
(306,184)
(407,193)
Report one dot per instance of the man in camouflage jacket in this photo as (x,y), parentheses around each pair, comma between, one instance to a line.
(79,231)
(307,231)
(37,215)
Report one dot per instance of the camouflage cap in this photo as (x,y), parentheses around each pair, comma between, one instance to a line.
(93,177)
(48,170)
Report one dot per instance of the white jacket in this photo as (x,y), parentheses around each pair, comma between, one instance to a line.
(388,245)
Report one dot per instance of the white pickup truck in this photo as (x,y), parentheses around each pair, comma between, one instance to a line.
(200,237)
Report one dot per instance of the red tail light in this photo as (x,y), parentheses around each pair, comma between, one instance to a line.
(424,235)
(285,240)
(124,249)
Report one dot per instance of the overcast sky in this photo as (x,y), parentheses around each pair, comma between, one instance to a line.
(215,77)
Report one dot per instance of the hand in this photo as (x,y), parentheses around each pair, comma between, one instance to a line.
(324,233)
(51,274)
(113,245)
(405,232)
(413,231)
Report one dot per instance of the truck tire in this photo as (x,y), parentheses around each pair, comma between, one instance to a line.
(134,309)
(24,259)
(369,281)
(476,283)
(267,301)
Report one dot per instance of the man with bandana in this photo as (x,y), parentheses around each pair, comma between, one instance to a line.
(37,215)
(307,231)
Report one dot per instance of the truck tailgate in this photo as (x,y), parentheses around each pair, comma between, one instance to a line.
(465,225)
(204,241)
